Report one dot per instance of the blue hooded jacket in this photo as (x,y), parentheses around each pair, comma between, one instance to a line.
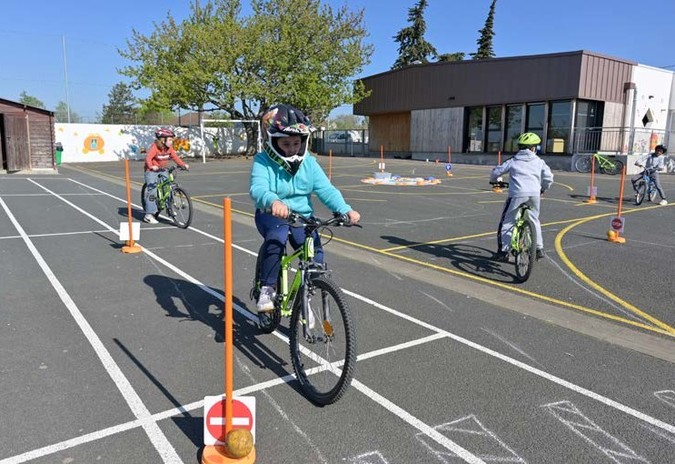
(529,175)
(270,181)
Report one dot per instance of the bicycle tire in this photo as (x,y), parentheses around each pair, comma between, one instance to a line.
(583,164)
(612,167)
(268,322)
(527,249)
(335,363)
(179,208)
(640,189)
(143,203)
(652,192)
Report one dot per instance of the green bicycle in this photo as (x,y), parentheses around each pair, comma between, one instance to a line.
(603,164)
(172,197)
(523,239)
(322,339)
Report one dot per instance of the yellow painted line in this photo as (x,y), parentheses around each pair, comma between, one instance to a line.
(219,195)
(607,293)
(511,288)
(564,185)
(216,205)
(465,237)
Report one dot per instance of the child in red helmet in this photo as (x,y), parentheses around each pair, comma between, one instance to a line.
(156,160)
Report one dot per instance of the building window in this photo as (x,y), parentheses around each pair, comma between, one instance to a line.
(588,127)
(534,121)
(475,129)
(559,127)
(514,126)
(494,129)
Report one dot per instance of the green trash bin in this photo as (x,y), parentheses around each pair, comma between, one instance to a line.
(59,152)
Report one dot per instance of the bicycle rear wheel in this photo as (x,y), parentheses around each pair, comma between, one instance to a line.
(612,167)
(179,208)
(583,164)
(525,256)
(652,191)
(143,202)
(323,350)
(641,189)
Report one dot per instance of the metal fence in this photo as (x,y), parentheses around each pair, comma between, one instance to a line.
(617,140)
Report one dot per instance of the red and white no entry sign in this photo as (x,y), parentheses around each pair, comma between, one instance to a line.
(617,223)
(243,417)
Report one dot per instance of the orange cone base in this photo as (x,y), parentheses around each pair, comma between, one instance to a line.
(591,201)
(497,190)
(218,455)
(131,248)
(617,239)
(449,174)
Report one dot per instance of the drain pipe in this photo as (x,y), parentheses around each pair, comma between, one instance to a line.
(631,136)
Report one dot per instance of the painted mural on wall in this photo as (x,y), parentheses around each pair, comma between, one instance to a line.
(113,142)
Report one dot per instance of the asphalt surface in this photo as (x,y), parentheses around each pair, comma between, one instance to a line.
(108,356)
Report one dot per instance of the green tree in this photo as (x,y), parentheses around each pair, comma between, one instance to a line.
(413,48)
(121,107)
(61,113)
(486,34)
(298,52)
(457,56)
(29,100)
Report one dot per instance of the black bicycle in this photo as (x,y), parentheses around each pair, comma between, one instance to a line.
(171,197)
(322,339)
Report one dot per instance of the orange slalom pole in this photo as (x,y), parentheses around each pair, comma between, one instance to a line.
(499,157)
(130,247)
(227,236)
(330,162)
(449,154)
(592,194)
(381,158)
(616,238)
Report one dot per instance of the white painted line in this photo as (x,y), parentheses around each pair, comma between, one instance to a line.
(157,437)
(533,370)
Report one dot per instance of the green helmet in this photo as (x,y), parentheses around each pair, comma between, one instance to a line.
(529,139)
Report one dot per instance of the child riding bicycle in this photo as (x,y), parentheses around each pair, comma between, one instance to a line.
(156,160)
(283,178)
(530,177)
(652,164)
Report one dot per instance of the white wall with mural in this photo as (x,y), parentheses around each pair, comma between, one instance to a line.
(113,142)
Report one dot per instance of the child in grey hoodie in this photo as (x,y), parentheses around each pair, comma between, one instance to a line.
(529,178)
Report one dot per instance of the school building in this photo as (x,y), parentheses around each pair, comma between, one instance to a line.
(578,102)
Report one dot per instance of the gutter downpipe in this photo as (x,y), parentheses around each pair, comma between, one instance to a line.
(631,136)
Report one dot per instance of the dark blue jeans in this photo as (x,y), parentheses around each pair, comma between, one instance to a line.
(275,232)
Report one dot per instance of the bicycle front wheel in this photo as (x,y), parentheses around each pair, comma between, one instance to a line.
(525,256)
(180,208)
(612,167)
(583,164)
(652,192)
(322,343)
(641,190)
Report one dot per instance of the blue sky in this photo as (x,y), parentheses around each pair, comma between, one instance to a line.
(31,34)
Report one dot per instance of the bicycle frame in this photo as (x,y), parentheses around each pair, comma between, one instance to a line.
(521,217)
(287,294)
(164,187)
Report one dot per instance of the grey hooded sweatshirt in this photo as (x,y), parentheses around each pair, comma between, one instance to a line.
(529,175)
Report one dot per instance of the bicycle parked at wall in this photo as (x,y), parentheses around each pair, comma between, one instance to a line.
(645,187)
(523,239)
(603,164)
(322,339)
(172,198)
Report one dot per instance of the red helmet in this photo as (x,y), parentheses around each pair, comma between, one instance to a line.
(164,132)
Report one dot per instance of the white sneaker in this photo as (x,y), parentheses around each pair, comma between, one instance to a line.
(266,299)
(663,202)
(150,219)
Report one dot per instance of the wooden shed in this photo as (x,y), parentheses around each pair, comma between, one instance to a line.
(26,137)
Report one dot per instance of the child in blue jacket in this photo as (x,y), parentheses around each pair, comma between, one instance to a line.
(283,178)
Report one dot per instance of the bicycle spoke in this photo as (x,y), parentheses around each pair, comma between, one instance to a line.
(322,346)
